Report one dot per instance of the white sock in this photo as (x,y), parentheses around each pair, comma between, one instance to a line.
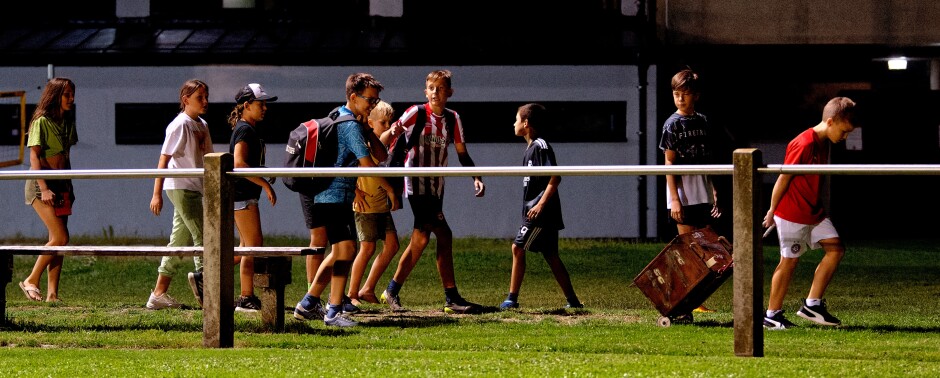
(813,302)
(772,313)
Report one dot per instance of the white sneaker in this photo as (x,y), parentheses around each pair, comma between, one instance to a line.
(339,321)
(161,302)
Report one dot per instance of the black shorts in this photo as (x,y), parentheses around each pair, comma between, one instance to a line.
(428,212)
(537,239)
(697,216)
(338,218)
(308,206)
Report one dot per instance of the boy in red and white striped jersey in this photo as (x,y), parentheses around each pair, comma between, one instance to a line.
(436,127)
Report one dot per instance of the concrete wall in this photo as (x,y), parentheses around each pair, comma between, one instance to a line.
(593,206)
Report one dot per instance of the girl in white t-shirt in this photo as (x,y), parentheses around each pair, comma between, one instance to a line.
(187,141)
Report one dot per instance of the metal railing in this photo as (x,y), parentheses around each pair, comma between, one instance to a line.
(746,171)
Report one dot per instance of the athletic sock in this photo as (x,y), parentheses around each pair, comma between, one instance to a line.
(451,294)
(513,297)
(393,287)
(772,313)
(332,310)
(813,302)
(308,301)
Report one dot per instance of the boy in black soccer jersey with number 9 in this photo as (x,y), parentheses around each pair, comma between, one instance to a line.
(541,210)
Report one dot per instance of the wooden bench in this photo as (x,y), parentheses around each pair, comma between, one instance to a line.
(272,269)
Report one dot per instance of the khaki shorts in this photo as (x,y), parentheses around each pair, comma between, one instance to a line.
(33,193)
(371,227)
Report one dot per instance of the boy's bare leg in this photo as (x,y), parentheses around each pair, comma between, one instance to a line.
(343,254)
(317,240)
(780,282)
(835,250)
(561,274)
(445,256)
(409,258)
(518,269)
(389,249)
(324,275)
(366,250)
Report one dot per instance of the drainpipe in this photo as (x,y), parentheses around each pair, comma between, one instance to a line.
(645,11)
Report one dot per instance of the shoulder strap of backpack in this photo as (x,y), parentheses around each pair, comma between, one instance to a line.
(337,118)
(313,137)
(344,118)
(420,120)
(450,122)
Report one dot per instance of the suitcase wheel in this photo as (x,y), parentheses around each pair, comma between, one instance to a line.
(664,321)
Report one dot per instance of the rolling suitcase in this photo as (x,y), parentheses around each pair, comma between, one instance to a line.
(687,271)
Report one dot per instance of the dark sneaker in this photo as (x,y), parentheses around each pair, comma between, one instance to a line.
(339,321)
(195,283)
(574,305)
(348,307)
(777,322)
(508,304)
(393,302)
(317,312)
(248,304)
(462,306)
(818,314)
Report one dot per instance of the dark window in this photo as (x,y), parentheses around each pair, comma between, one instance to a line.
(10,127)
(138,123)
(588,121)
(10,116)
(58,11)
(484,122)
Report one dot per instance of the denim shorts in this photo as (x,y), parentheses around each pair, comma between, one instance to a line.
(242,205)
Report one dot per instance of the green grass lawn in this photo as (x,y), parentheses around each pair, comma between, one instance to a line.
(886,293)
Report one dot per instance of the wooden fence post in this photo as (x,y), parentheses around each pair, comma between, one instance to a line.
(6,276)
(748,255)
(218,324)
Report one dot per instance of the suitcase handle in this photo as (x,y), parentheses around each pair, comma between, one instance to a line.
(695,247)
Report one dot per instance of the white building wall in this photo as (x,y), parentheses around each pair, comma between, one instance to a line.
(593,206)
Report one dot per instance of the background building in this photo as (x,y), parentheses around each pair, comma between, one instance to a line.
(603,65)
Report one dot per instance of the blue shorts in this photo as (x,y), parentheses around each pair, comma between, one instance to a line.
(242,205)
